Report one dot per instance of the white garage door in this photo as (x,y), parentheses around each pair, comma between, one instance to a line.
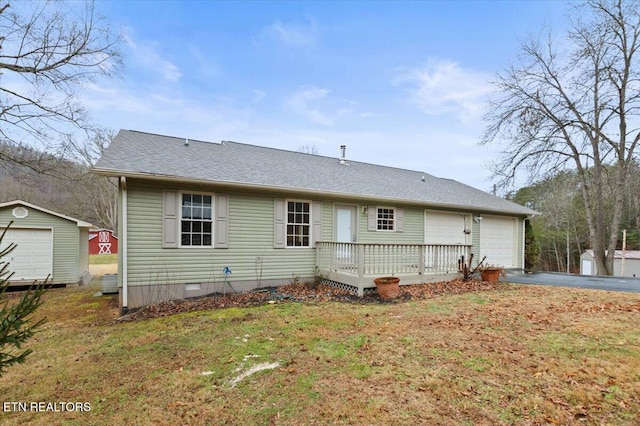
(499,241)
(446,228)
(32,259)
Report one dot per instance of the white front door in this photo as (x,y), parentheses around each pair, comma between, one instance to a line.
(346,231)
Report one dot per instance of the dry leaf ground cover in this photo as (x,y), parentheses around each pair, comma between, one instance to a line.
(479,355)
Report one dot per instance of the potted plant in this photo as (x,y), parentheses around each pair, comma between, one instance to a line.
(491,273)
(387,287)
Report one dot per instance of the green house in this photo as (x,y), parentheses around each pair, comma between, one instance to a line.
(199,217)
(48,244)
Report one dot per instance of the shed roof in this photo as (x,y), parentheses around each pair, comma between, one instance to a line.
(146,155)
(628,254)
(93,233)
(15,203)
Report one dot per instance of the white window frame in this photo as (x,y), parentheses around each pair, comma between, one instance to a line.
(211,220)
(309,225)
(393,220)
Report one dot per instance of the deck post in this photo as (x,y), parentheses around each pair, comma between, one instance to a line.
(421,261)
(361,270)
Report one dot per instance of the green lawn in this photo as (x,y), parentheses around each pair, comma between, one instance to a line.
(527,355)
(102,259)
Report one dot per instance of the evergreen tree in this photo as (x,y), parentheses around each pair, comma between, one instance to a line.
(16,323)
(531,247)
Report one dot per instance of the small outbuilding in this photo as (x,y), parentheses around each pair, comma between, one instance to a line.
(48,244)
(625,264)
(102,241)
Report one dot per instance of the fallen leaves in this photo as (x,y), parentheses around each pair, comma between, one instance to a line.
(300,292)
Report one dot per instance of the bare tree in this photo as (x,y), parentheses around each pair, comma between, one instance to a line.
(48,50)
(309,149)
(94,194)
(576,104)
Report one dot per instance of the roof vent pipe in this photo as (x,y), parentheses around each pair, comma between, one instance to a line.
(343,149)
(186,142)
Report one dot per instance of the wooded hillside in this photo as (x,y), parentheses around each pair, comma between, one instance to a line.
(66,187)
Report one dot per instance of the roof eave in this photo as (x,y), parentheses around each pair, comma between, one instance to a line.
(80,223)
(351,196)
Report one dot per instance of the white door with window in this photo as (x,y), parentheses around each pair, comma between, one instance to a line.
(32,259)
(346,231)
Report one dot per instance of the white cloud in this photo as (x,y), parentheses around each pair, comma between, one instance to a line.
(443,87)
(147,55)
(320,106)
(206,66)
(258,96)
(306,102)
(293,34)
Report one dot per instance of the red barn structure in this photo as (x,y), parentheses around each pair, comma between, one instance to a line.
(102,241)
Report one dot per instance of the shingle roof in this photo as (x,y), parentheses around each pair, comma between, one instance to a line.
(138,154)
(80,223)
(628,254)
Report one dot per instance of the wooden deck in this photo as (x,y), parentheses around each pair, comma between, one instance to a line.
(356,265)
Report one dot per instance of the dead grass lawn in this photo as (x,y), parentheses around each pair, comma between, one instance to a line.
(527,355)
(102,269)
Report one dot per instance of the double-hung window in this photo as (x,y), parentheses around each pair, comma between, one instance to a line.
(386,219)
(196,222)
(298,224)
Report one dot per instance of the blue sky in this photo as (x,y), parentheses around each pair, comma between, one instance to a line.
(399,83)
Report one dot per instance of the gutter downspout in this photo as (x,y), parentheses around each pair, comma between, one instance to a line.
(123,248)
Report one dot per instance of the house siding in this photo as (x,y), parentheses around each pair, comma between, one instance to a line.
(68,264)
(412,232)
(475,242)
(250,255)
(250,238)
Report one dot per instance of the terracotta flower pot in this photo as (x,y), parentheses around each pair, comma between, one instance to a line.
(491,275)
(388,287)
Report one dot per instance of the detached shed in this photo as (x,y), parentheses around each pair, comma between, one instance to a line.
(48,244)
(630,262)
(102,241)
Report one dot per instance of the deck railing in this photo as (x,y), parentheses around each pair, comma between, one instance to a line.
(377,259)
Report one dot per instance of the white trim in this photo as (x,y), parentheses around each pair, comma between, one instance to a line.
(124,249)
(394,223)
(522,261)
(286,222)
(20,212)
(95,232)
(213,200)
(80,223)
(335,218)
